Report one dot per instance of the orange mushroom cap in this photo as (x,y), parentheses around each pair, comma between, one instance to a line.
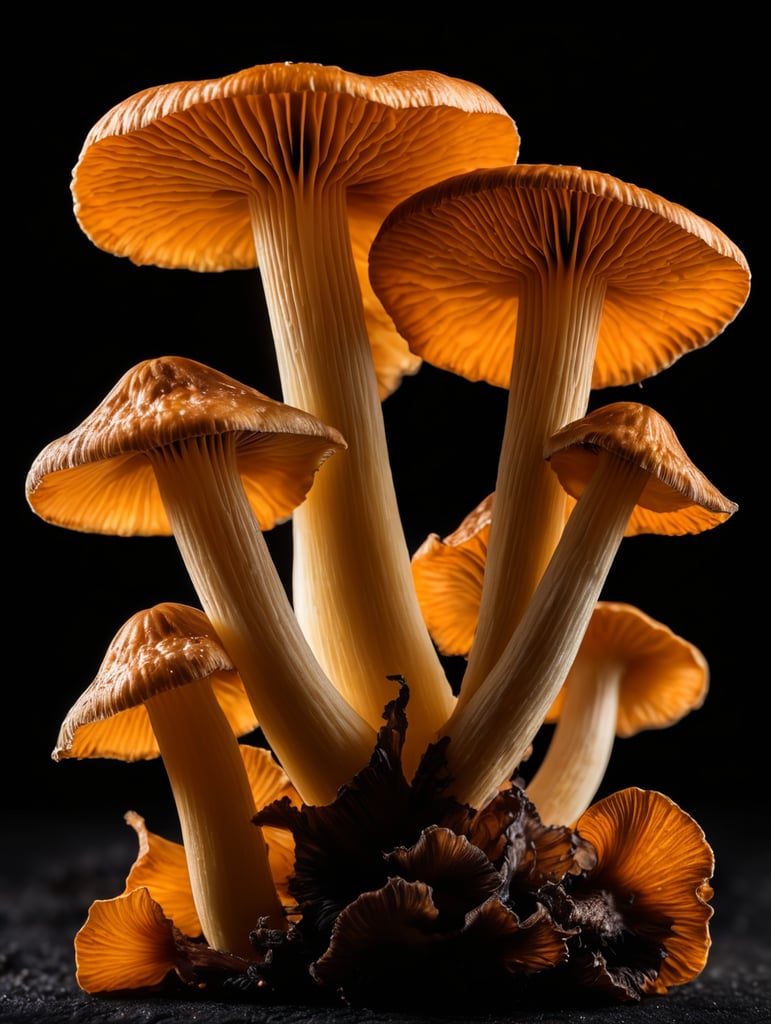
(655,857)
(449,264)
(127,942)
(630,673)
(165,177)
(98,479)
(662,677)
(448,574)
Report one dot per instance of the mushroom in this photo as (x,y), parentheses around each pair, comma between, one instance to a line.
(616,458)
(631,673)
(161,673)
(548,280)
(178,447)
(293,167)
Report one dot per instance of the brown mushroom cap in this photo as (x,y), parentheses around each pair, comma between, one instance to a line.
(662,677)
(450,262)
(98,478)
(166,176)
(160,648)
(676,499)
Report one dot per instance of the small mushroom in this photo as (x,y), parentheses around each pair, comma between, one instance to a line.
(292,167)
(614,459)
(161,673)
(179,447)
(548,280)
(631,673)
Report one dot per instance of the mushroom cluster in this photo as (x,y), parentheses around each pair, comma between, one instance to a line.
(389,844)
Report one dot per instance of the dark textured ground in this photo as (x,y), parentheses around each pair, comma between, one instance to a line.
(47,884)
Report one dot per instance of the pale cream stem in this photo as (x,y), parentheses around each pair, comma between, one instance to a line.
(490,733)
(317,736)
(352,584)
(226,854)
(577,757)
(558,320)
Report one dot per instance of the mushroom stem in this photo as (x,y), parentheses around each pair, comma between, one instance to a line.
(226,854)
(352,585)
(319,739)
(491,732)
(574,765)
(558,320)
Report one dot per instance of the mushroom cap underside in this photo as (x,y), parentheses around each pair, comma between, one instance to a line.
(451,264)
(662,676)
(166,176)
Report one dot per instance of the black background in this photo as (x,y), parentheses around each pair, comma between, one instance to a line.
(673,109)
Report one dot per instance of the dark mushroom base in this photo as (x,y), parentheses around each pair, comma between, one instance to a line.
(410,902)
(47,886)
